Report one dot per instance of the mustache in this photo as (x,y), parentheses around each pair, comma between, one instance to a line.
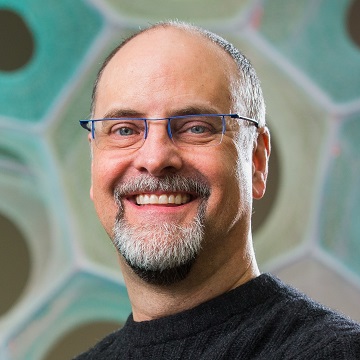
(169,183)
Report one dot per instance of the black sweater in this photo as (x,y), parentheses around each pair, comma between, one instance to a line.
(262,319)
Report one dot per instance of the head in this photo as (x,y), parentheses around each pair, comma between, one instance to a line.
(200,198)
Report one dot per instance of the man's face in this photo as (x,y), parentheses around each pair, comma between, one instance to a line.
(167,72)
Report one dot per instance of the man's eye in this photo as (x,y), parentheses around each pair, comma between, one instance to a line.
(125,128)
(198,129)
(125,131)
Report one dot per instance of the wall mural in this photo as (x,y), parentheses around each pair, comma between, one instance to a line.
(61,287)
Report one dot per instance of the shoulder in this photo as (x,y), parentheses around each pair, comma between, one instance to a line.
(311,328)
(289,303)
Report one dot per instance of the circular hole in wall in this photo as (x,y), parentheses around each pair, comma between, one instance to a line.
(16,41)
(80,339)
(263,207)
(15,264)
(353,21)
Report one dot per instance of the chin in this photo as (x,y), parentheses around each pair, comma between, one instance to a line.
(164,277)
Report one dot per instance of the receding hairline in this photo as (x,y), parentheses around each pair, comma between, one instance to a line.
(182,26)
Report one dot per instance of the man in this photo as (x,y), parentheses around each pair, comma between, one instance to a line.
(179,150)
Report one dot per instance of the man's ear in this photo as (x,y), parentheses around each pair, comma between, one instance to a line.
(260,160)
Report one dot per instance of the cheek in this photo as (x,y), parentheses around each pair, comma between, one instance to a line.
(106,170)
(233,185)
(101,180)
(221,172)
(105,176)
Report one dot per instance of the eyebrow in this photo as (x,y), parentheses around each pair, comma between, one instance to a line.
(195,110)
(123,113)
(188,110)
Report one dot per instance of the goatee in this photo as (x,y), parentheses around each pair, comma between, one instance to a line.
(161,253)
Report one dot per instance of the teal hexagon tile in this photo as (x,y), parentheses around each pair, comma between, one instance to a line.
(313,36)
(32,197)
(340,207)
(21,204)
(82,298)
(30,155)
(190,10)
(15,260)
(63,32)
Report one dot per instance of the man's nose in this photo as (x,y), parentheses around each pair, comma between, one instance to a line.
(158,155)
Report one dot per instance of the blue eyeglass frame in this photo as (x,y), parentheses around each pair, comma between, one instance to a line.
(85,123)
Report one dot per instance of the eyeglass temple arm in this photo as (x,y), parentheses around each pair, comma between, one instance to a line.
(236,116)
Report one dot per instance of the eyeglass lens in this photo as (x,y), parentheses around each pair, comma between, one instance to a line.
(183,131)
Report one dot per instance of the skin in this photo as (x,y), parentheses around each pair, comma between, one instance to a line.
(186,71)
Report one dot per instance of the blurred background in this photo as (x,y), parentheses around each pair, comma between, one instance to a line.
(61,290)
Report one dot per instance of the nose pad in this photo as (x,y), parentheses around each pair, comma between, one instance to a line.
(169,128)
(156,121)
(146,129)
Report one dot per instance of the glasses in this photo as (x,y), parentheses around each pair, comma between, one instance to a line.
(184,131)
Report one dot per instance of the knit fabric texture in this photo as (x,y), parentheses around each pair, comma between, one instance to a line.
(262,319)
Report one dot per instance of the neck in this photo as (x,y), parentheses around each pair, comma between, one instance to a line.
(203,283)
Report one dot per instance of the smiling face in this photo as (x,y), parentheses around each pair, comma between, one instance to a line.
(186,198)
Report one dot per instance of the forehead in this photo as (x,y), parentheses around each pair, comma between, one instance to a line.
(166,65)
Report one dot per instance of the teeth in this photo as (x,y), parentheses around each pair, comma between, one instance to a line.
(178,199)
(163,199)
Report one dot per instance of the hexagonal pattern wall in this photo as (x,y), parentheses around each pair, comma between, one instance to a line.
(60,277)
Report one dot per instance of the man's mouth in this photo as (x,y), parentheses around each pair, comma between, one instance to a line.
(162,199)
(166,192)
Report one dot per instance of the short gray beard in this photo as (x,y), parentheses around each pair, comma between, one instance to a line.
(163,253)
